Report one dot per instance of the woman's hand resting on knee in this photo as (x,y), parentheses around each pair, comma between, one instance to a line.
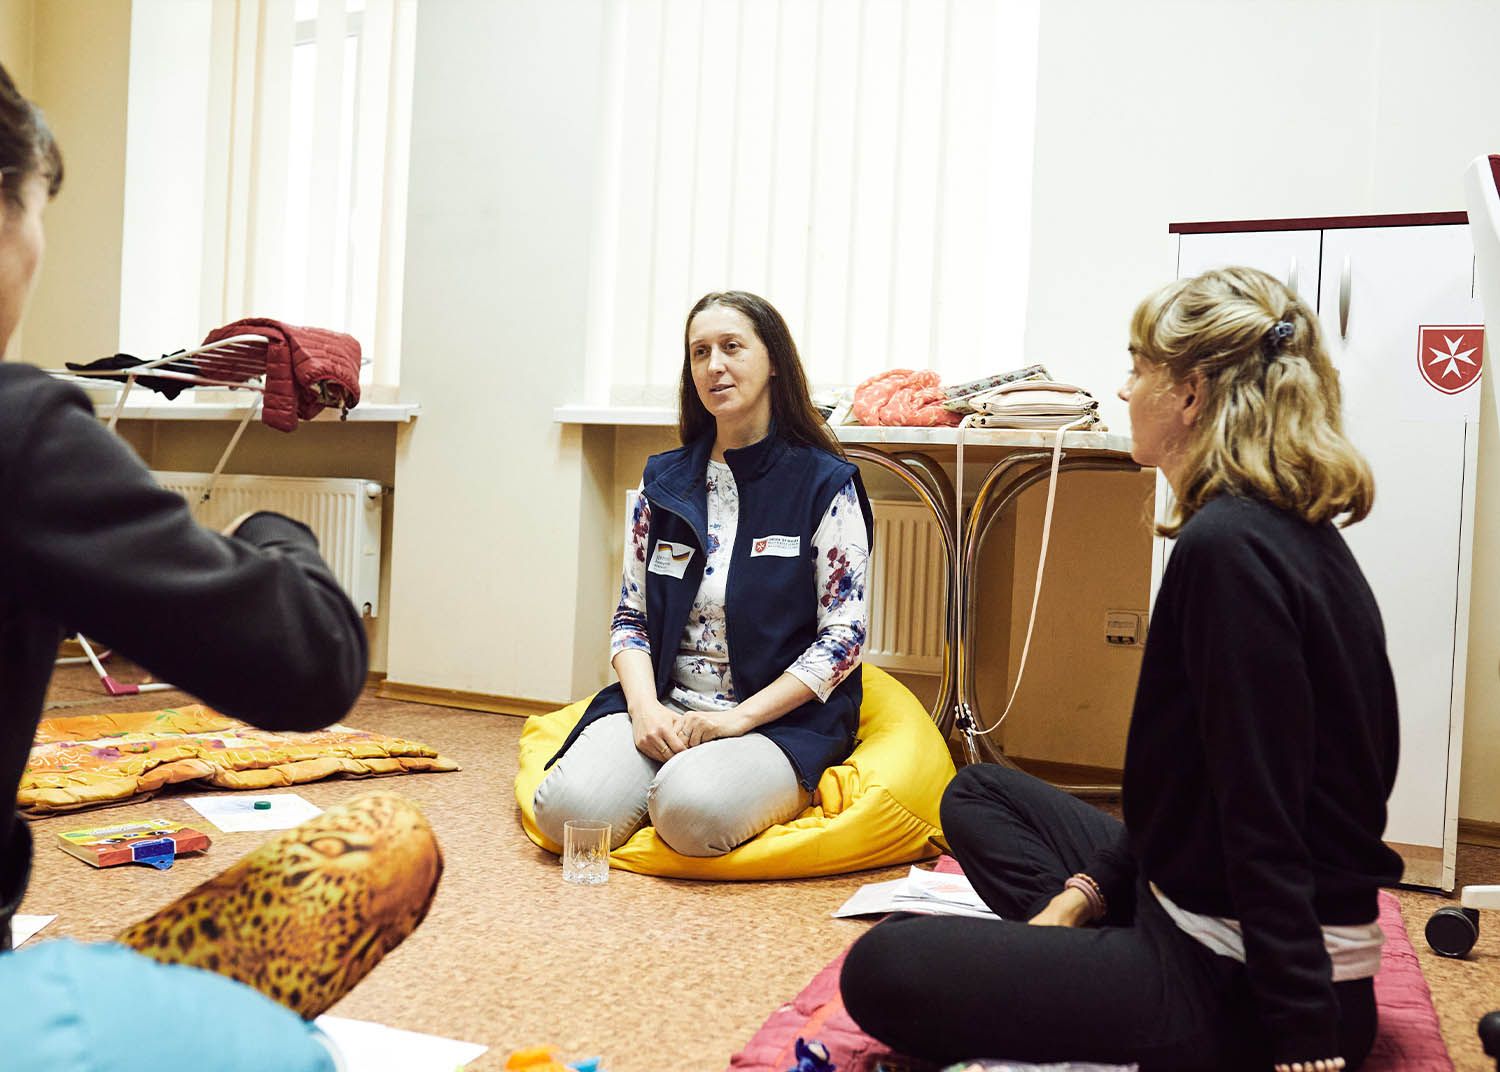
(654,727)
(696,727)
(1068,909)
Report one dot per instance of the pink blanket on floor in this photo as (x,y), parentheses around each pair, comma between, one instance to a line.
(1409,1039)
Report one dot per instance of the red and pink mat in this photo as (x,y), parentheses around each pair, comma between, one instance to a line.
(1409,1039)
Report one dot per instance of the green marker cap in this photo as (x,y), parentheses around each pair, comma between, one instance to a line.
(262,805)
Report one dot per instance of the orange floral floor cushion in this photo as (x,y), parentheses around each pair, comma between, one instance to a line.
(87,761)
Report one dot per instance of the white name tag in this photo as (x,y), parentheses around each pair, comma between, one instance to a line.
(670,559)
(778,546)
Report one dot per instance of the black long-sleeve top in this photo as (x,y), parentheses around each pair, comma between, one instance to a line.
(254,624)
(1262,749)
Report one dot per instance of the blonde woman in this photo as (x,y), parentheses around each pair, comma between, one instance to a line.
(1230,920)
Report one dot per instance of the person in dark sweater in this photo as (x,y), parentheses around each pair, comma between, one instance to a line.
(1231,920)
(253,622)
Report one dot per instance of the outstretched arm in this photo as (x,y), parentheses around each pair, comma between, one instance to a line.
(254,624)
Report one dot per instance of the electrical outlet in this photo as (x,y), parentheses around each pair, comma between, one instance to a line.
(1125,628)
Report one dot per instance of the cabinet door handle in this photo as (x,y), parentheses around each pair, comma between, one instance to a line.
(1346,281)
(1291,275)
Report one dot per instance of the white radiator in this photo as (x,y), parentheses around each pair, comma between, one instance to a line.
(343,514)
(904,585)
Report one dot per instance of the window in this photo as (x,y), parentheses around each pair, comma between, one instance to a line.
(288,122)
(863,164)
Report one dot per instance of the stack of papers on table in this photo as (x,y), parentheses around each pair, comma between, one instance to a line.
(926,892)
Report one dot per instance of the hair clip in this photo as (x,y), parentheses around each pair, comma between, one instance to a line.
(1279,333)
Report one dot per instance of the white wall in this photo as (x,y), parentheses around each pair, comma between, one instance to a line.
(17,31)
(17,22)
(162,244)
(1146,113)
(864,164)
(1168,110)
(497,579)
(80,64)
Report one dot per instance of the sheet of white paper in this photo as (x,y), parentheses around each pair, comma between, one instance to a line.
(951,891)
(371,1047)
(875,898)
(927,892)
(23,927)
(232,814)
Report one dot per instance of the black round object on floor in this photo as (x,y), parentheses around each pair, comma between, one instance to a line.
(1452,931)
(1489,1033)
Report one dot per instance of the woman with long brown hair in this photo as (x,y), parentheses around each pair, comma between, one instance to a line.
(742,610)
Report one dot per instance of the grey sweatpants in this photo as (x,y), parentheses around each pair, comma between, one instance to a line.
(703,801)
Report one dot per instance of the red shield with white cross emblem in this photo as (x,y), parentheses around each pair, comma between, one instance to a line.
(760,546)
(1450,355)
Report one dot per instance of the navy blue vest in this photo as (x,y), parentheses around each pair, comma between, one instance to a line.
(770,601)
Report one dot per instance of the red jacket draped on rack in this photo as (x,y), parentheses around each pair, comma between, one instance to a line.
(306,369)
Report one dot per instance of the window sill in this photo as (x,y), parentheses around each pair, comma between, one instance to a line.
(660,417)
(657,416)
(159,409)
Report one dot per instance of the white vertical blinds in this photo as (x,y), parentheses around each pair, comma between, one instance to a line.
(305,187)
(863,164)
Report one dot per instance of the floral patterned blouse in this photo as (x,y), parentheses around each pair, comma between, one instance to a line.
(701,679)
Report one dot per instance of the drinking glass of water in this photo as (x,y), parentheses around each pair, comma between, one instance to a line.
(585,859)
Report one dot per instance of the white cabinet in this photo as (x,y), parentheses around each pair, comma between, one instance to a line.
(1379,287)
(1291,256)
(1397,305)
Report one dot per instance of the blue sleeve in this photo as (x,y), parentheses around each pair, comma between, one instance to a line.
(99,1007)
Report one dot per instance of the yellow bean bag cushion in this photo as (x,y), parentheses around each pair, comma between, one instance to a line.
(878,807)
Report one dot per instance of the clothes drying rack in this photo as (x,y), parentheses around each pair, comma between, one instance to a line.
(237,363)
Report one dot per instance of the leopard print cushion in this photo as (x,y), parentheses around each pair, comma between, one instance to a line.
(307,915)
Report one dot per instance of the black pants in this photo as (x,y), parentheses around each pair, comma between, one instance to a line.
(1135,989)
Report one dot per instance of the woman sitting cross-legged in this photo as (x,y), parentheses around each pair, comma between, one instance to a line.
(1231,920)
(742,613)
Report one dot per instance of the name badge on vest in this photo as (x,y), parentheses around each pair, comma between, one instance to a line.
(670,559)
(776,546)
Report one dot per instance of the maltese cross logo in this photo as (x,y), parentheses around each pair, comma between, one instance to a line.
(1450,355)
